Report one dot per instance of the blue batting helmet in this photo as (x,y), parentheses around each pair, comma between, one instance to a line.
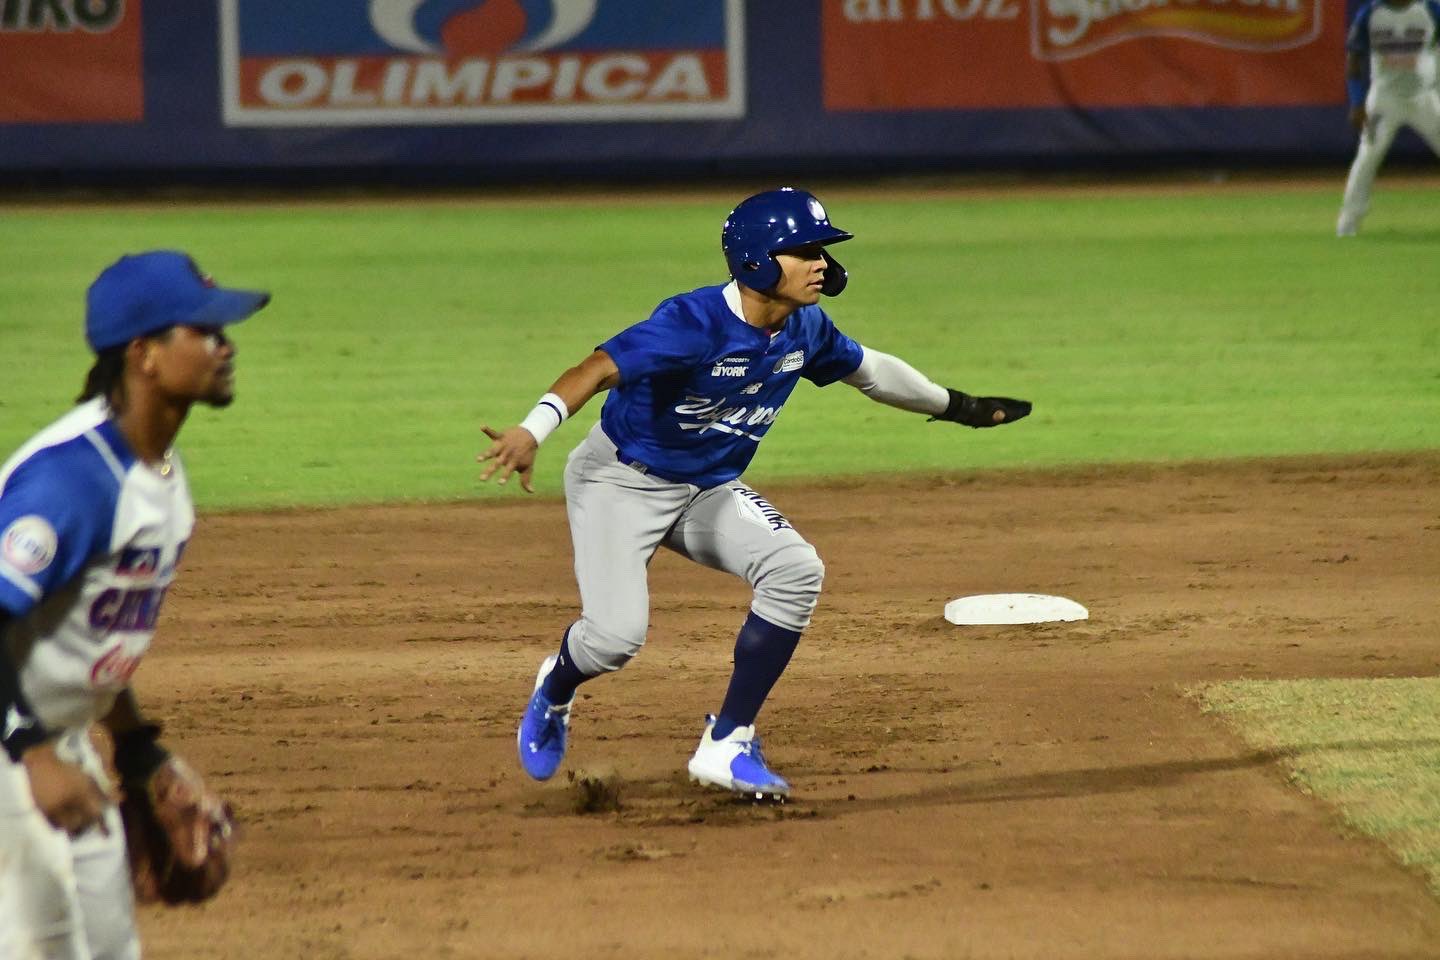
(771,222)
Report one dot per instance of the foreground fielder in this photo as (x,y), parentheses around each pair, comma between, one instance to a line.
(95,511)
(693,390)
(1395,40)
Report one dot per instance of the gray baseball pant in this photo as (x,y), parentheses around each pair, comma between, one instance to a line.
(620,515)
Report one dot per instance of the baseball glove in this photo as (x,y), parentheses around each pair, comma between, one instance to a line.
(179,836)
(982,411)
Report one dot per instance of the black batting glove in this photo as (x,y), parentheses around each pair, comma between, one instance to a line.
(982,411)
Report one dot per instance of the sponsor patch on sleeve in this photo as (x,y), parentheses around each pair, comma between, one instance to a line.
(28,544)
(791,361)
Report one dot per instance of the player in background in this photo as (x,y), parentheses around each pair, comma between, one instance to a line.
(1395,41)
(693,391)
(94,514)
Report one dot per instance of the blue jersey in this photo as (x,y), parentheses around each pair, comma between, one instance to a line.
(89,540)
(700,387)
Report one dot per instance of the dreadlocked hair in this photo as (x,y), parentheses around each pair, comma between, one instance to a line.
(106,378)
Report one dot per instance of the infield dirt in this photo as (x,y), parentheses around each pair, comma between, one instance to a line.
(351,680)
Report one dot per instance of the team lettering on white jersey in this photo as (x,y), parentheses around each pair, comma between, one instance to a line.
(1402,48)
(81,642)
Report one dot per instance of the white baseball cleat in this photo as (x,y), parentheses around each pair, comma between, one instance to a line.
(735,763)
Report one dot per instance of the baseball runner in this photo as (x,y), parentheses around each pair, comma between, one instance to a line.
(692,392)
(1395,40)
(95,512)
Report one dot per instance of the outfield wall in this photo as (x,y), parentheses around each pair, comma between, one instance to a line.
(509,88)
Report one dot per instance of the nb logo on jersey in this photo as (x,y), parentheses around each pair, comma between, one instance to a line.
(753,388)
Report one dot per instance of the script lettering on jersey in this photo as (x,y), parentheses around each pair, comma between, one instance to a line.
(114,668)
(714,415)
(116,610)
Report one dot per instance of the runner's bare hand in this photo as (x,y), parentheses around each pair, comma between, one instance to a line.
(511,451)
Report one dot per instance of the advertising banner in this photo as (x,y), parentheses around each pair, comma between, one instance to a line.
(395,62)
(496,89)
(70,61)
(899,55)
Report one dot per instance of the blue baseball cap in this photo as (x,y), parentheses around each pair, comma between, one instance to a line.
(144,293)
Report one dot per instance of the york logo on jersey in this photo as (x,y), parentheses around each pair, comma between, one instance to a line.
(1065,29)
(731,367)
(28,544)
(479,61)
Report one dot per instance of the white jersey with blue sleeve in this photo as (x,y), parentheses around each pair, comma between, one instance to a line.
(1400,45)
(89,540)
(699,387)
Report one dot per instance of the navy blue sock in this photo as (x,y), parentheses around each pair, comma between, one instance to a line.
(560,685)
(762,651)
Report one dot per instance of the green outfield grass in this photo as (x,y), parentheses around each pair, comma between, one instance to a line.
(1145,327)
(1369,748)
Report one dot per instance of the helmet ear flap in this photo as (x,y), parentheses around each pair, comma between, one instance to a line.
(759,275)
(835,276)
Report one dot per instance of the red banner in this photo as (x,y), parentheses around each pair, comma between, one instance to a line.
(368,83)
(981,54)
(70,61)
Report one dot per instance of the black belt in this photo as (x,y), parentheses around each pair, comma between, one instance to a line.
(635,465)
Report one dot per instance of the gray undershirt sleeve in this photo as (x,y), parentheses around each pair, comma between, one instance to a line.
(892,381)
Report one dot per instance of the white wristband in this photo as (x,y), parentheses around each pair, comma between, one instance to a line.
(548,414)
